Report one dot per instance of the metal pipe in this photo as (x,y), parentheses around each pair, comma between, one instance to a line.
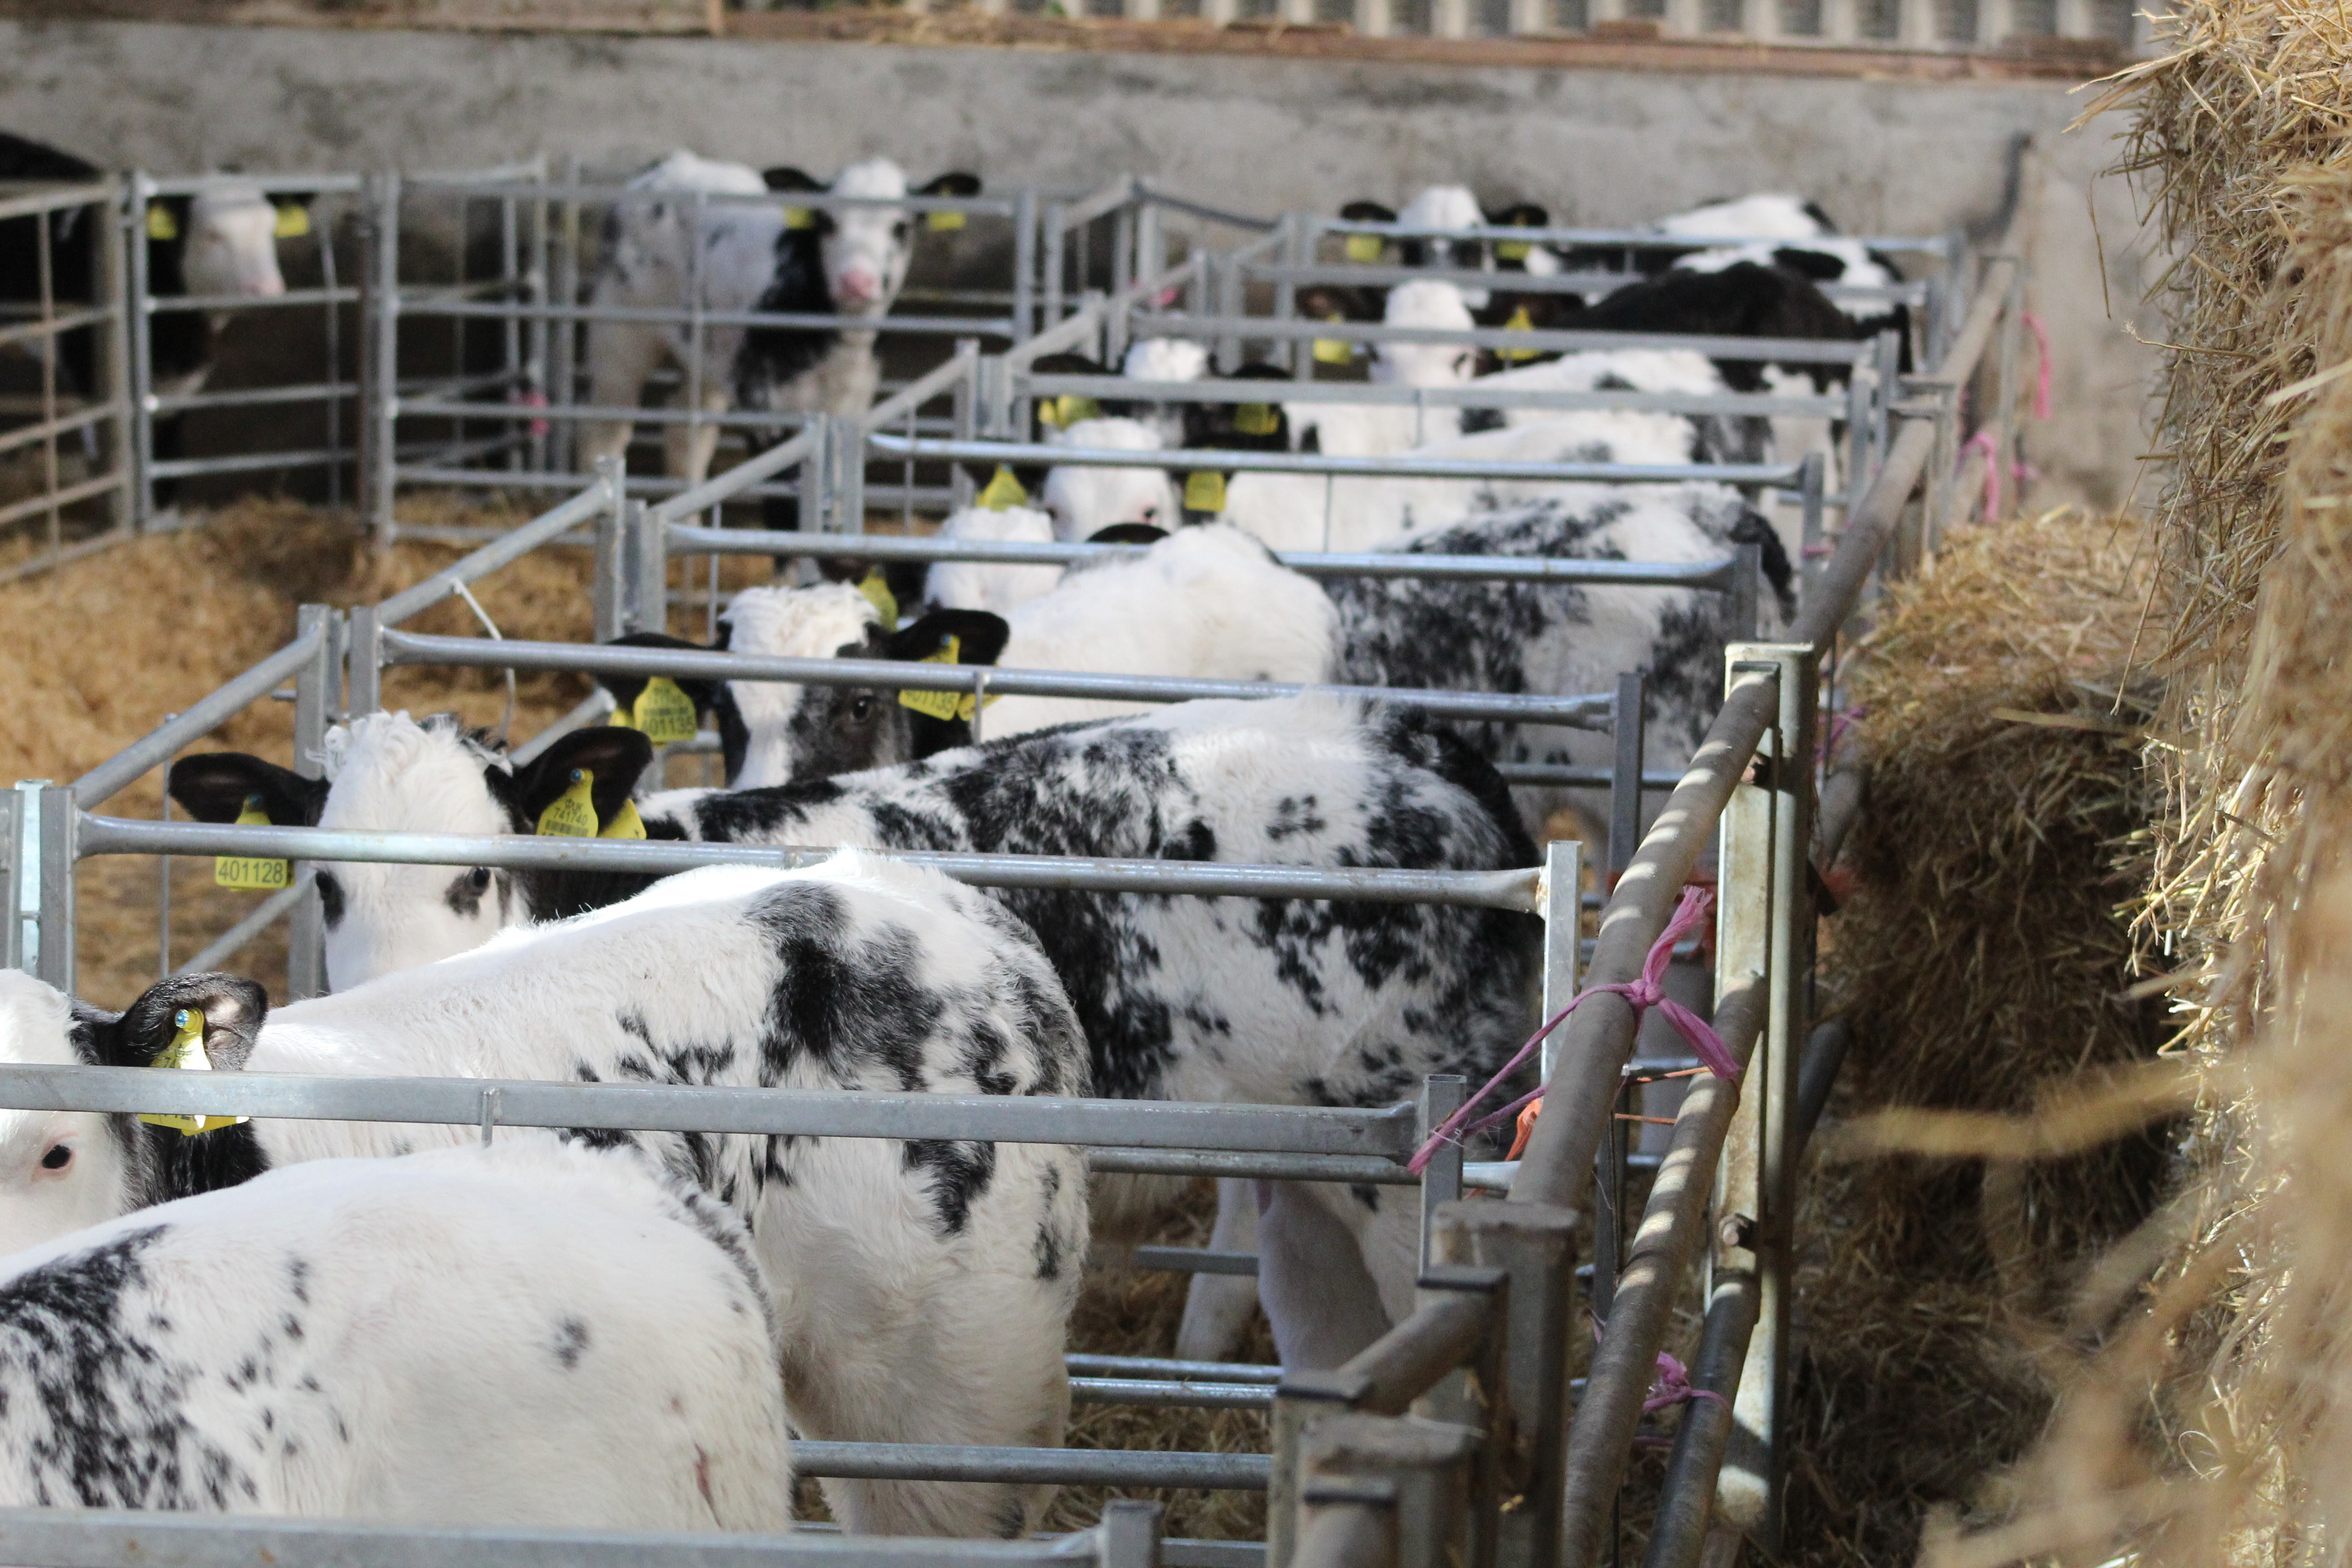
(1363,1171)
(1053,1467)
(803,321)
(159,744)
(1717,574)
(740,477)
(672,1108)
(1603,236)
(1148,1366)
(899,674)
(1780,351)
(1687,1515)
(1469,395)
(1165,1391)
(1784,475)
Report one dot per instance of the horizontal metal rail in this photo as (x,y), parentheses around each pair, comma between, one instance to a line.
(1472,393)
(480,186)
(1786,351)
(1353,1170)
(1087,1366)
(31,202)
(1614,237)
(528,480)
(1168,1392)
(1063,1467)
(1584,713)
(268,184)
(520,310)
(739,480)
(186,304)
(1784,475)
(1532,282)
(81,1538)
(1300,1130)
(66,497)
(159,744)
(1719,575)
(657,858)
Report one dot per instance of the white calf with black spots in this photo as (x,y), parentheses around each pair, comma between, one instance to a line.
(533,1335)
(919,1287)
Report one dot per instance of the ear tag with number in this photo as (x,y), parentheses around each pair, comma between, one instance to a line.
(572,814)
(939,704)
(1004,492)
(665,713)
(1512,250)
(944,222)
(799,217)
(160,224)
(186,1054)
(1519,322)
(626,824)
(293,221)
(1256,419)
(1365,246)
(1204,491)
(249,873)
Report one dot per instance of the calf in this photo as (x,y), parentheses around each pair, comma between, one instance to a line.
(920,1287)
(1180,998)
(1375,430)
(764,256)
(525,1336)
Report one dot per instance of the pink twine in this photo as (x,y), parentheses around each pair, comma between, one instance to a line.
(531,398)
(1818,552)
(1983,441)
(1643,994)
(2042,380)
(1674,1387)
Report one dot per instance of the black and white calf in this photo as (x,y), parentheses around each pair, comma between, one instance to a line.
(526,1336)
(919,1287)
(1180,998)
(764,256)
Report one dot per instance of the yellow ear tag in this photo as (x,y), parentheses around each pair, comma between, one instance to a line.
(1512,250)
(876,590)
(799,217)
(1063,412)
(1256,419)
(160,224)
(1365,246)
(293,221)
(1204,491)
(940,704)
(1003,493)
(626,825)
(664,712)
(186,1054)
(1517,324)
(1334,351)
(248,873)
(943,222)
(573,814)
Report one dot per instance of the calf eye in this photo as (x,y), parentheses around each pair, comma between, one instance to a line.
(861,709)
(58,1158)
(479,879)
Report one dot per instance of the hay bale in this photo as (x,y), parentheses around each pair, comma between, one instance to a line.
(1978,957)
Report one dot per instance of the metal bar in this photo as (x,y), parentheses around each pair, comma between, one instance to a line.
(1055,1466)
(1442,1095)
(1534,283)
(812,1113)
(1717,574)
(657,858)
(159,744)
(1177,1259)
(1608,237)
(1471,394)
(1625,781)
(51,842)
(899,675)
(47,198)
(261,396)
(1354,1170)
(1782,475)
(1601,1435)
(1196,1371)
(579,509)
(1197,1395)
(1686,1514)
(317,691)
(184,304)
(739,480)
(1780,351)
(518,311)
(66,496)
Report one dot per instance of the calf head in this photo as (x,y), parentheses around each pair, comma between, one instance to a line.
(223,241)
(388,773)
(1230,427)
(776,732)
(864,249)
(63,1170)
(1084,502)
(1426,303)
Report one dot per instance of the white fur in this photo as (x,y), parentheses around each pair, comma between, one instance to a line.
(1165,359)
(985,584)
(1768,222)
(1084,502)
(231,246)
(1446,207)
(415,1370)
(1373,430)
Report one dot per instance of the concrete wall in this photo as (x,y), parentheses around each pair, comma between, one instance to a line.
(1598,147)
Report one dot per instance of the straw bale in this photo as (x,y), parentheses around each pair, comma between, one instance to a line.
(1978,958)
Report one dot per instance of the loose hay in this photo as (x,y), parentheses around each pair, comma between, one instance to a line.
(1978,958)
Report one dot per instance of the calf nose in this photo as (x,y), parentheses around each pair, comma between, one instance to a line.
(860,287)
(265,286)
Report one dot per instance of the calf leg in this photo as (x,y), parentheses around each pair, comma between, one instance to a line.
(691,446)
(1217,1306)
(1324,1304)
(621,354)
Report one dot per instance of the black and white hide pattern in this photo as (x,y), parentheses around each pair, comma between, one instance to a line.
(532,1335)
(759,255)
(919,1287)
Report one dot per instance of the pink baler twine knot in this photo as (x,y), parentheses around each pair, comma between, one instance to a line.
(1643,992)
(2041,377)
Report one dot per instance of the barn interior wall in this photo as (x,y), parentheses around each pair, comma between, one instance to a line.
(1599,147)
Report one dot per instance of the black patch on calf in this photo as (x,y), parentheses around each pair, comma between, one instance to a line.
(570,1341)
(960,1171)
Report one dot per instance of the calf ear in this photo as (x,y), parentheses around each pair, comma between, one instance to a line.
(1128,534)
(787,178)
(1519,214)
(1817,265)
(626,689)
(617,757)
(958,184)
(979,637)
(232,1008)
(215,785)
(1368,211)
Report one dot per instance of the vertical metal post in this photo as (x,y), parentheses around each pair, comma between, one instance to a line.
(1025,265)
(1629,726)
(1563,914)
(562,385)
(315,692)
(113,285)
(2005,399)
(1534,1245)
(1746,580)
(1857,437)
(1298,239)
(138,322)
(380,352)
(1811,485)
(1055,261)
(966,419)
(849,436)
(1416,1468)
(363,663)
(645,557)
(1442,1095)
(1128,1535)
(611,592)
(1765,926)
(20,936)
(51,840)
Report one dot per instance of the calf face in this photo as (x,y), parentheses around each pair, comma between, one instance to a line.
(866,249)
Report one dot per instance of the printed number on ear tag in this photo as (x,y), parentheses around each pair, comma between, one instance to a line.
(941,704)
(663,712)
(186,1054)
(1003,491)
(572,814)
(1204,491)
(1365,246)
(876,590)
(249,873)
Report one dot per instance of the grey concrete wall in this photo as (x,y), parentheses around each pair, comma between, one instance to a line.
(1598,147)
